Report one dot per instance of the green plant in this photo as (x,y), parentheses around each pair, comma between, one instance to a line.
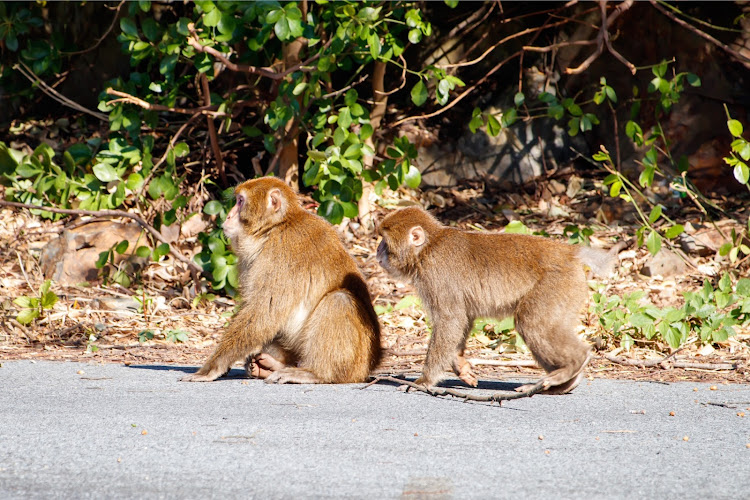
(176,336)
(405,302)
(740,147)
(707,316)
(33,307)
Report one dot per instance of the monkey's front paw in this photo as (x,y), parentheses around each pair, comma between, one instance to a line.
(196,377)
(469,379)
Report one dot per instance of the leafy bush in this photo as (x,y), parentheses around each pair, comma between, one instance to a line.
(707,316)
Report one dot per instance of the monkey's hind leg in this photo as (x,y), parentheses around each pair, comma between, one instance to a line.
(464,370)
(552,340)
(339,343)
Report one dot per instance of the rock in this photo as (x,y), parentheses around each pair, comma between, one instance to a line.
(71,258)
(664,263)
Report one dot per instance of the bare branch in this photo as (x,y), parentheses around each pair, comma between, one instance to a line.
(244,68)
(603,41)
(212,132)
(105,35)
(54,94)
(700,33)
(131,99)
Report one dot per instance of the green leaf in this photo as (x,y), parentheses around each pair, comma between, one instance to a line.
(167,64)
(212,18)
(735,128)
(743,287)
(374,42)
(181,149)
(25,302)
(653,243)
(299,88)
(122,247)
(213,207)
(332,211)
(143,251)
(693,80)
(519,98)
(26,316)
(493,126)
(419,93)
(345,118)
(655,214)
(48,300)
(741,173)
(127,25)
(105,172)
(406,302)
(725,283)
(413,177)
(674,231)
(415,35)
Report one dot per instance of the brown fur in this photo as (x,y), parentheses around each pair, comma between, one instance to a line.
(463,275)
(306,314)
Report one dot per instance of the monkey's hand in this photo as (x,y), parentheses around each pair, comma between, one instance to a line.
(201,377)
(468,377)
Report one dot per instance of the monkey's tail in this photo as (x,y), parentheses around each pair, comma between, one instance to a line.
(602,262)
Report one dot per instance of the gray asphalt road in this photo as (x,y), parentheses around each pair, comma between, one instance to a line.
(137,432)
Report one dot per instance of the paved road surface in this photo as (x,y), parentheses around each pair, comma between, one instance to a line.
(136,432)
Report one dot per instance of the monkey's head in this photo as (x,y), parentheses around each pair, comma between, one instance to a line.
(260,204)
(405,233)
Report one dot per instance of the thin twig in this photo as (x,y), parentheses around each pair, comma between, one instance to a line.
(54,94)
(495,396)
(460,97)
(603,40)
(499,362)
(131,99)
(646,363)
(212,132)
(194,268)
(267,72)
(105,35)
(700,33)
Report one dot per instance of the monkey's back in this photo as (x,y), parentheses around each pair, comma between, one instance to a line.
(469,267)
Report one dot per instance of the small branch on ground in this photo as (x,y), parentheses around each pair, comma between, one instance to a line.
(530,363)
(495,396)
(650,363)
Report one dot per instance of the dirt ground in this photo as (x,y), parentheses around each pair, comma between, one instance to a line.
(98,323)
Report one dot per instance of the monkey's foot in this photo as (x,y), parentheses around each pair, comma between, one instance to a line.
(565,387)
(467,376)
(197,377)
(262,365)
(291,375)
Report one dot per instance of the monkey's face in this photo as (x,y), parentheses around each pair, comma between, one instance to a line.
(260,203)
(398,253)
(232,226)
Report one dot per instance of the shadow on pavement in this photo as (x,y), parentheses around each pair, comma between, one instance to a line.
(234,373)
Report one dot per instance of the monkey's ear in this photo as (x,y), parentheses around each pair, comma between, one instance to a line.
(274,200)
(417,237)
